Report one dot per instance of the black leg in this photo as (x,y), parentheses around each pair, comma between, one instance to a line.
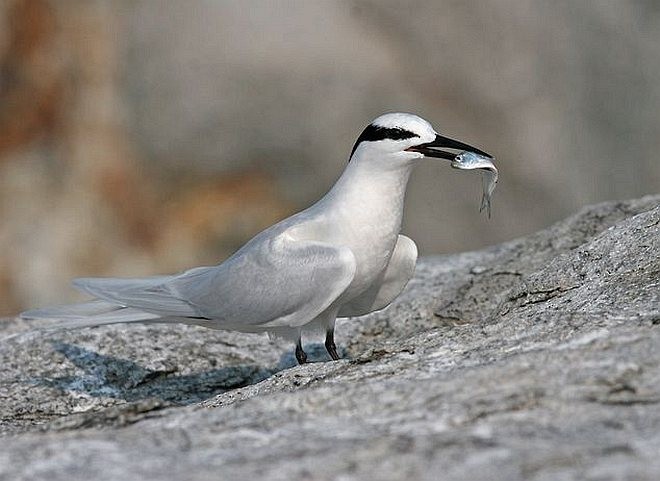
(301,356)
(330,345)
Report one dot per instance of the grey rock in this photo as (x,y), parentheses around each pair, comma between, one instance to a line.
(535,359)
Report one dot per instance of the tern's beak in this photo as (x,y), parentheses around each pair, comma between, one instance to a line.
(431,149)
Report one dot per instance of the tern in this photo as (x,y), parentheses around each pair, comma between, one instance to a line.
(342,257)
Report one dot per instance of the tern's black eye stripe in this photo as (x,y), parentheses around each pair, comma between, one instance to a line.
(375,132)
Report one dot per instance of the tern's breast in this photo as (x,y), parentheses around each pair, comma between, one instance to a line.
(363,211)
(371,238)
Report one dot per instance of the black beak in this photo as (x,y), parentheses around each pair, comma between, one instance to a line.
(431,149)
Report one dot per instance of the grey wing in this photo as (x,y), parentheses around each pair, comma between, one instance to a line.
(389,284)
(276,282)
(150,294)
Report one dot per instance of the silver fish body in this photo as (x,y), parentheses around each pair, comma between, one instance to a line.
(468,161)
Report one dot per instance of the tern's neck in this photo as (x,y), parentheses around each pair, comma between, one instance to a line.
(368,186)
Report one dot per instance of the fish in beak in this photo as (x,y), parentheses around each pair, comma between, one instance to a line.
(470,158)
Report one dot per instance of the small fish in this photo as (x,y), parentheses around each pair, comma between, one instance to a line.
(468,161)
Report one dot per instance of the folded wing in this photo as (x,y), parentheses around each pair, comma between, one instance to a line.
(276,282)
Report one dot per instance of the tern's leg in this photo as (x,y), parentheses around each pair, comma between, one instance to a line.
(301,356)
(330,344)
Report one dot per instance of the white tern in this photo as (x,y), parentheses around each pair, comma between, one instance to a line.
(341,257)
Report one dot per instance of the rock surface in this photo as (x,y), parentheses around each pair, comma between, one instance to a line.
(535,359)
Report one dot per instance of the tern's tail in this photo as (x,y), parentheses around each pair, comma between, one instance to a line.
(88,314)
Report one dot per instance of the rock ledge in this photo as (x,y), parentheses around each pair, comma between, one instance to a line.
(534,359)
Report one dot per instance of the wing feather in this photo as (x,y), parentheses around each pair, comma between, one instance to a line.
(274,282)
(277,282)
(150,294)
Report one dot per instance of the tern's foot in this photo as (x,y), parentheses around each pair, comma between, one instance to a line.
(330,345)
(301,356)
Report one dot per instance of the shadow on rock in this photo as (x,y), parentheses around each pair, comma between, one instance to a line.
(108,376)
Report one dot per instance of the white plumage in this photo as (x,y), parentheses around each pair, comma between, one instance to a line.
(343,256)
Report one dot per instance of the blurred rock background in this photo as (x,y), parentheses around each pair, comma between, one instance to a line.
(144,137)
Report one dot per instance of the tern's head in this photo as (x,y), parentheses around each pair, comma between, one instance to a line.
(401,136)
